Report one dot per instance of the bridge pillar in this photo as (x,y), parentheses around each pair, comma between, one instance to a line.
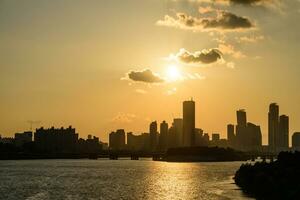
(134,157)
(113,157)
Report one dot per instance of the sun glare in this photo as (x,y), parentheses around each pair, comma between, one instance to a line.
(173,73)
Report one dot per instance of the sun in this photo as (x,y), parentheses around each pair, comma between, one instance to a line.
(173,73)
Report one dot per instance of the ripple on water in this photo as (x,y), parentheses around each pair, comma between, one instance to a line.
(117,179)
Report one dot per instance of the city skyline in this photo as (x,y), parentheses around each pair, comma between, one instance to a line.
(241,118)
(97,67)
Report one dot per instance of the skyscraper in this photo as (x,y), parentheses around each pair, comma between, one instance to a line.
(188,123)
(117,140)
(153,135)
(177,125)
(273,126)
(230,134)
(296,141)
(241,128)
(163,138)
(284,132)
(241,117)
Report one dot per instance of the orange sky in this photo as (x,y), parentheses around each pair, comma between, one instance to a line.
(85,63)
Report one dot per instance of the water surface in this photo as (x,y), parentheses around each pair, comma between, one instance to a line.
(117,179)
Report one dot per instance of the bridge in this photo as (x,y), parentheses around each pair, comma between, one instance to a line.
(133,155)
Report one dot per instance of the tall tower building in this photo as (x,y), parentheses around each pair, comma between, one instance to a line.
(241,117)
(241,129)
(230,134)
(177,124)
(163,138)
(273,126)
(153,135)
(188,123)
(284,132)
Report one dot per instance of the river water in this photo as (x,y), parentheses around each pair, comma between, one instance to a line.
(117,179)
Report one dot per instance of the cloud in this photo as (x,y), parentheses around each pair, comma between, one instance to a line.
(230,65)
(146,76)
(223,21)
(230,50)
(171,91)
(124,118)
(276,5)
(203,57)
(250,39)
(141,91)
(207,9)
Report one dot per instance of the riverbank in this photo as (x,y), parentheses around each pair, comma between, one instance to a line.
(275,180)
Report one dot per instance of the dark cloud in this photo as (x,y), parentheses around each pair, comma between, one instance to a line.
(247,2)
(204,56)
(146,76)
(227,20)
(224,21)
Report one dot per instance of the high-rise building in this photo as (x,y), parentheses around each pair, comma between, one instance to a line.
(248,135)
(206,139)
(138,142)
(230,135)
(284,132)
(117,140)
(273,126)
(253,138)
(241,128)
(296,141)
(199,141)
(153,135)
(163,137)
(241,117)
(188,123)
(178,130)
(215,137)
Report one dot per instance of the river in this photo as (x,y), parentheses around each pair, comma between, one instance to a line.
(117,179)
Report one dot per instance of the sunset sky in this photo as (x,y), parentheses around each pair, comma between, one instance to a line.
(100,65)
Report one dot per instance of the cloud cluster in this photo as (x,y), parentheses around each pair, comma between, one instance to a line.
(204,57)
(146,76)
(124,118)
(246,2)
(223,21)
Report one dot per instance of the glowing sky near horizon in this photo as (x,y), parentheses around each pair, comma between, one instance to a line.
(102,65)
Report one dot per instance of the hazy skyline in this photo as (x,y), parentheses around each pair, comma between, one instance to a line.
(104,65)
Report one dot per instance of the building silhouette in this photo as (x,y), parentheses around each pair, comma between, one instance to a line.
(296,141)
(273,126)
(117,140)
(23,138)
(283,133)
(248,135)
(206,139)
(56,140)
(230,135)
(215,138)
(138,142)
(163,137)
(278,129)
(153,135)
(178,131)
(241,129)
(241,118)
(188,123)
